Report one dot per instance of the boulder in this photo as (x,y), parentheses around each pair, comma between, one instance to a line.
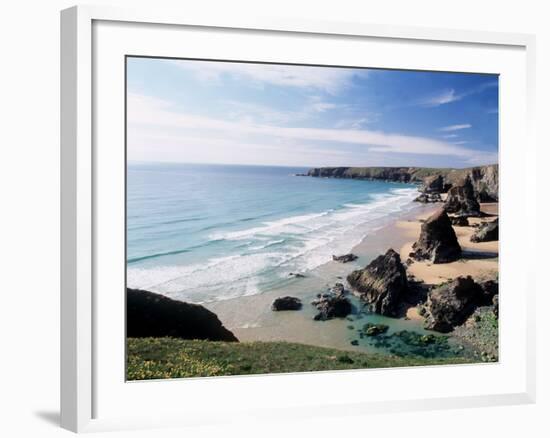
(152,315)
(382,284)
(338,289)
(332,306)
(460,221)
(490,290)
(451,304)
(428,198)
(344,258)
(487,232)
(437,241)
(370,329)
(286,303)
(461,199)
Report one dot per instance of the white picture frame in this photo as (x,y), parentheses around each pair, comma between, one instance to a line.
(86,383)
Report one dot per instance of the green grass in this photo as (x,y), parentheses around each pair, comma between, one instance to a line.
(163,358)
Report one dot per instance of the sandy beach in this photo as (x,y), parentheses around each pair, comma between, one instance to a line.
(251,317)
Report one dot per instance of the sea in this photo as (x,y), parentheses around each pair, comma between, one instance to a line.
(204,233)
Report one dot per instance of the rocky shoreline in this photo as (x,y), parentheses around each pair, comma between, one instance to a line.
(445,280)
(484,179)
(457,304)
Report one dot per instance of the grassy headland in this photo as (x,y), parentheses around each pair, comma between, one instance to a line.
(163,358)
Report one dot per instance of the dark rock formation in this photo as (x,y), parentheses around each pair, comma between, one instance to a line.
(484,179)
(370,329)
(338,289)
(398,174)
(461,199)
(296,275)
(460,221)
(382,284)
(490,290)
(286,303)
(437,241)
(485,182)
(433,184)
(332,306)
(346,258)
(152,315)
(450,304)
(428,198)
(487,232)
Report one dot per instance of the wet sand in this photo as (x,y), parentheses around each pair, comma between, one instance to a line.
(250,318)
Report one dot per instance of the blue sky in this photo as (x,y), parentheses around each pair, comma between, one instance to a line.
(268,114)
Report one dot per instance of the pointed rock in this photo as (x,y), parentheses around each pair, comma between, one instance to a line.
(437,242)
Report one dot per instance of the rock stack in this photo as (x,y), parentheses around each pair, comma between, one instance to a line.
(437,242)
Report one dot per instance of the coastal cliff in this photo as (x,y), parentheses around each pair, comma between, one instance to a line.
(484,178)
(153,315)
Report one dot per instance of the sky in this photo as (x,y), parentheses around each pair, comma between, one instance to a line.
(284,115)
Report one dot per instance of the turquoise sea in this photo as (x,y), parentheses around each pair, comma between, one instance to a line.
(205,233)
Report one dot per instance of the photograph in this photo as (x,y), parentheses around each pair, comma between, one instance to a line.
(287,218)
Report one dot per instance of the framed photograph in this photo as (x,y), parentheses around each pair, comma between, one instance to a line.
(340,211)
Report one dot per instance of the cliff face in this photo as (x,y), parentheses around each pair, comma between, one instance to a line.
(484,178)
(153,315)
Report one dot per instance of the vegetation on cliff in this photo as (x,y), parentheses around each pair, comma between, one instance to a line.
(163,358)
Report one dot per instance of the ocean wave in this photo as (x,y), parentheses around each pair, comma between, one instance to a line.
(269,228)
(293,244)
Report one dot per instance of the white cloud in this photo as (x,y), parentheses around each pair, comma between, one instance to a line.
(330,80)
(253,111)
(159,119)
(450,136)
(321,107)
(442,98)
(455,127)
(448,96)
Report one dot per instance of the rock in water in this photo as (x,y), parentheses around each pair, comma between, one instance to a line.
(153,315)
(450,304)
(437,241)
(370,329)
(344,258)
(286,303)
(461,199)
(487,232)
(332,306)
(382,284)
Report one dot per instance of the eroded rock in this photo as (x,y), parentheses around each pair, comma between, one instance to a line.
(286,303)
(462,199)
(437,242)
(382,284)
(451,304)
(487,232)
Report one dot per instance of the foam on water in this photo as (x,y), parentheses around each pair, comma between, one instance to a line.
(268,252)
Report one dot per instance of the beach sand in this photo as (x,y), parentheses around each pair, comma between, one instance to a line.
(480,260)
(250,318)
